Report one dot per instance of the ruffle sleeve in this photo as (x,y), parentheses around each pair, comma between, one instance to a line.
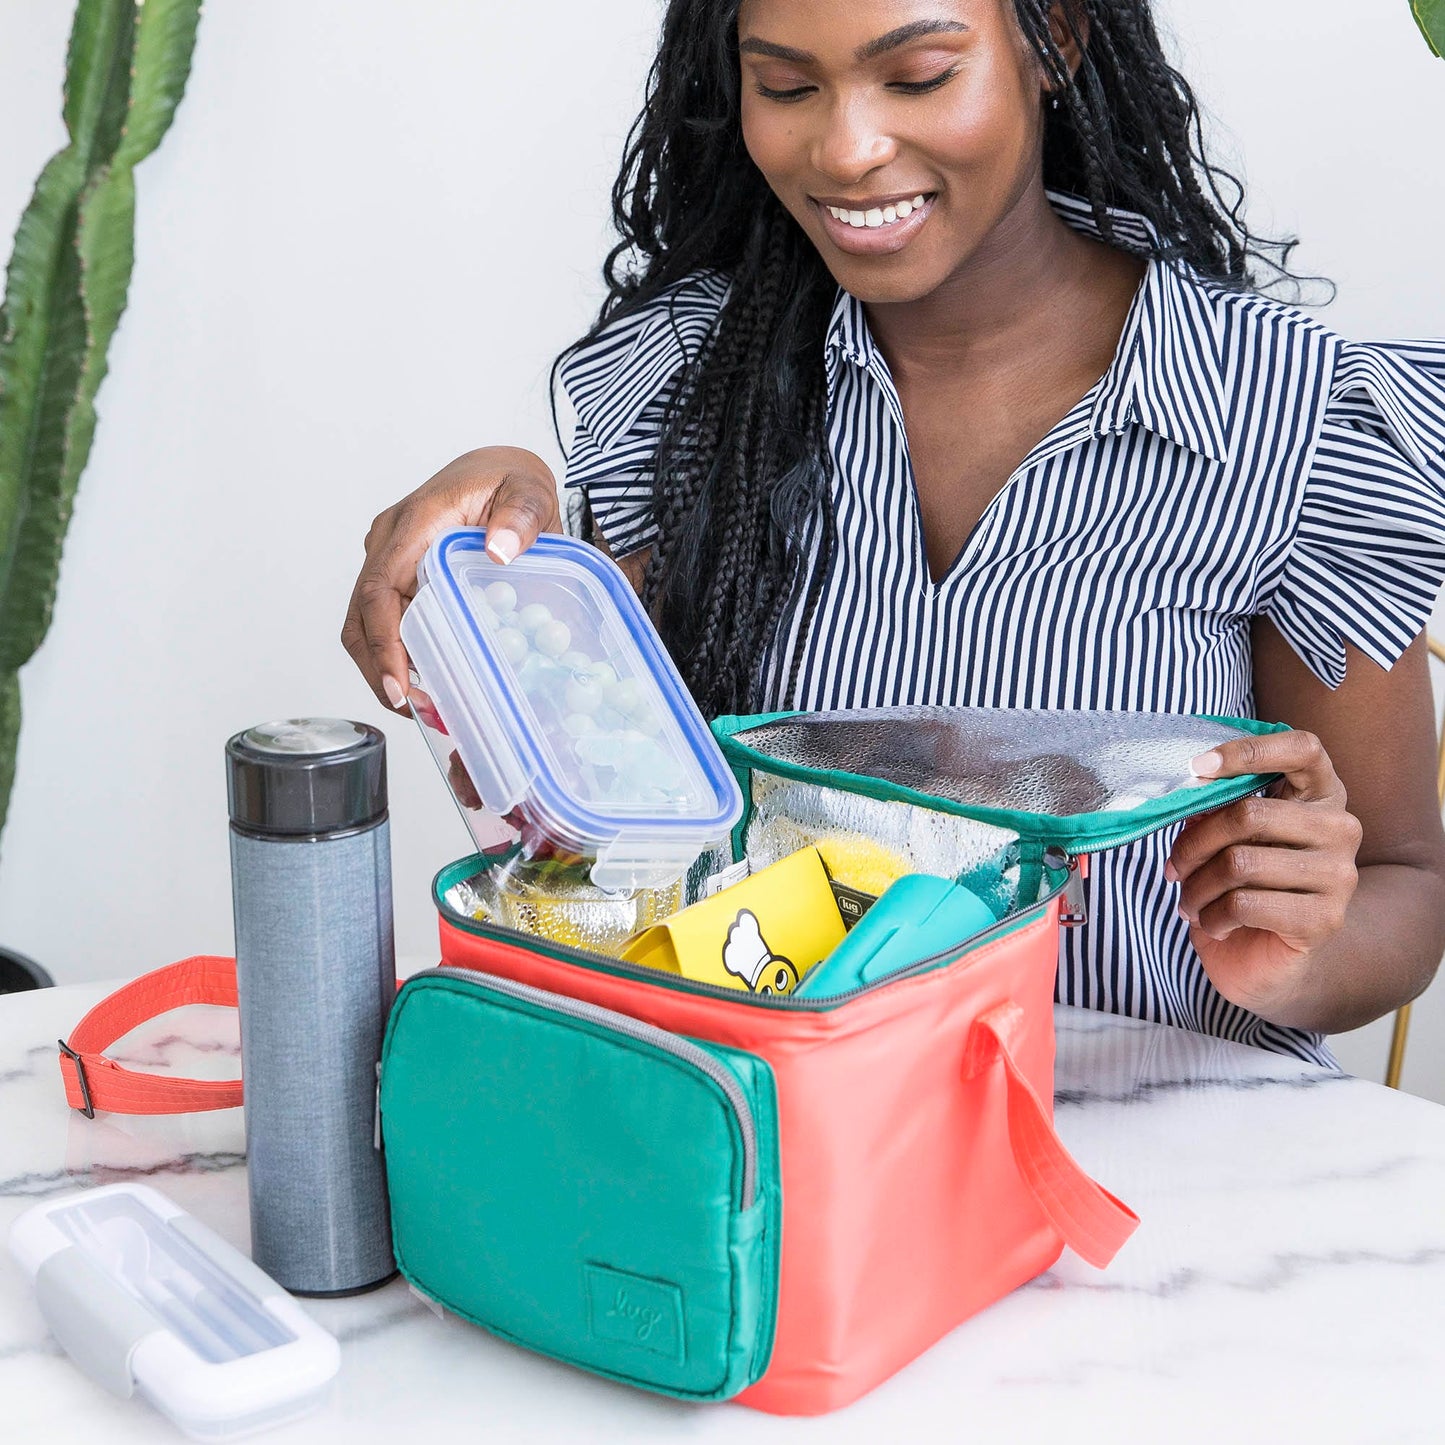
(1369,548)
(619,383)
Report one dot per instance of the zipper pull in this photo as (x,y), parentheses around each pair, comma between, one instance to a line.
(376,1131)
(1075,911)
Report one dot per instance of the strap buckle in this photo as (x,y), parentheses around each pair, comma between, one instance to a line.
(65,1049)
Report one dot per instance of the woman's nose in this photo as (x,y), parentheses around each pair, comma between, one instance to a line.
(850,143)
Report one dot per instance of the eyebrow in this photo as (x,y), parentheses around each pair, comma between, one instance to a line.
(914,30)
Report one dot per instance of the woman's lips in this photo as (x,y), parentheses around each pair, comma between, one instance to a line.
(875,241)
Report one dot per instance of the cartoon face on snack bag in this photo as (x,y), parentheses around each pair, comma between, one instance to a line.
(746,955)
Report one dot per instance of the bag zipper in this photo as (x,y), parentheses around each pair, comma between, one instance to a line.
(1073,913)
(620,968)
(632,1028)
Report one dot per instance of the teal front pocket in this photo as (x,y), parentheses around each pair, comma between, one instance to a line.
(582,1183)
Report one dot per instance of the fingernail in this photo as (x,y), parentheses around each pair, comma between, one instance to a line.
(392,688)
(1206,765)
(1170,871)
(503,545)
(1185,914)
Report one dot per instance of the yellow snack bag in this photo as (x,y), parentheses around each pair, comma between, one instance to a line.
(762,934)
(858,862)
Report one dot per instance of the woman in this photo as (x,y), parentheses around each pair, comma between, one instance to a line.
(941,378)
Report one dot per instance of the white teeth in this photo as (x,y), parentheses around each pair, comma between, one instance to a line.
(877,215)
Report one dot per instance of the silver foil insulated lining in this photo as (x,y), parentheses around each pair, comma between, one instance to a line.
(1024,760)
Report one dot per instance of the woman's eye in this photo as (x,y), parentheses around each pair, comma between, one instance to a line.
(919,87)
(908,87)
(795,94)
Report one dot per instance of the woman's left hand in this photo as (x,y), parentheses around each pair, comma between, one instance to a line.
(1266,881)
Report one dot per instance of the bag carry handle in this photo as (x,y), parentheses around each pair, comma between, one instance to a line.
(1093,1223)
(93,1081)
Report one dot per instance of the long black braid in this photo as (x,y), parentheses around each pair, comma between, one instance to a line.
(740,476)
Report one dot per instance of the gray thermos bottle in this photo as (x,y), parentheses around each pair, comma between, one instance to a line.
(316,976)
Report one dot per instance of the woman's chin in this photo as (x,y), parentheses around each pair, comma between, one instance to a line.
(890,277)
(883,285)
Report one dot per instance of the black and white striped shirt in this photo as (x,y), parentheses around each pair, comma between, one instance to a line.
(1236,459)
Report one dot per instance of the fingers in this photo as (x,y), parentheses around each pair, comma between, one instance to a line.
(1308,888)
(1301,920)
(1299,755)
(523,505)
(510,490)
(1268,858)
(371,633)
(372,636)
(461,783)
(1268,822)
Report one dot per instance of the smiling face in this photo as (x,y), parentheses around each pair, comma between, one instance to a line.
(901,135)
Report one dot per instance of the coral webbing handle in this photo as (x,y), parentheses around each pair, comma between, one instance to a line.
(1092,1222)
(92,1081)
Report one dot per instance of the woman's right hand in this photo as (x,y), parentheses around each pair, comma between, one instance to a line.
(510,491)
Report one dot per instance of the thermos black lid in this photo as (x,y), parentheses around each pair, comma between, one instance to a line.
(306,777)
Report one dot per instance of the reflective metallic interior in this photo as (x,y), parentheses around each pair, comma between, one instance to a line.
(1059,763)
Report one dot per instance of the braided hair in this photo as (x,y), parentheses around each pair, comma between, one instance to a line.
(740,478)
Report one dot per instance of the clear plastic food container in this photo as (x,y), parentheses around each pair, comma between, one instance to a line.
(146,1299)
(556,715)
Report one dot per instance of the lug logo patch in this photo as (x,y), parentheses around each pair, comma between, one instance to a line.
(633,1310)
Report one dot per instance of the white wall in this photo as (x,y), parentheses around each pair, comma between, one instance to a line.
(368,233)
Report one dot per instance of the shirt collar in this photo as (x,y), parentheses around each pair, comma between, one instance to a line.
(1168,372)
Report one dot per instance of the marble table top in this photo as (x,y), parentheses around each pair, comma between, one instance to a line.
(1287,1281)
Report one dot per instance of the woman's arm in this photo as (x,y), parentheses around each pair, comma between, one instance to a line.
(1324,907)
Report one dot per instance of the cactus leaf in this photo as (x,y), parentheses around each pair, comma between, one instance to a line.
(1430,17)
(105,239)
(42,355)
(9,737)
(104,249)
(97,76)
(164,42)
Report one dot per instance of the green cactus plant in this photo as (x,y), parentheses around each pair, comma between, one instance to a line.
(1430,17)
(126,71)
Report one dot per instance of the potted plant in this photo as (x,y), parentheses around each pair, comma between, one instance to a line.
(125,73)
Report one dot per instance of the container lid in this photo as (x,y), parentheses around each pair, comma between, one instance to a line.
(552,687)
(144,1297)
(306,777)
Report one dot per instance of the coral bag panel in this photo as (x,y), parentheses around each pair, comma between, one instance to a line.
(718,1194)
